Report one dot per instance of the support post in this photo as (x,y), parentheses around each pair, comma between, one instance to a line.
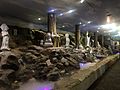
(77,35)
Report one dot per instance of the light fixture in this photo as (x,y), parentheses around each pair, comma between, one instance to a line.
(61,14)
(81,1)
(39,19)
(52,10)
(80,23)
(109,26)
(89,22)
(70,11)
(63,26)
(98,28)
(118,34)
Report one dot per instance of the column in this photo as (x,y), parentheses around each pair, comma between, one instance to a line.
(96,39)
(77,35)
(102,40)
(52,23)
(52,28)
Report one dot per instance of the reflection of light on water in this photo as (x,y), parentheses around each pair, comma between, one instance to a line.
(35,85)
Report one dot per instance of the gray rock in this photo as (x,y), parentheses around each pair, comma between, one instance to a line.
(34,52)
(6,77)
(60,66)
(34,47)
(29,58)
(54,76)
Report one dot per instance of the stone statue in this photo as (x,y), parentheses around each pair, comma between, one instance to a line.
(56,39)
(99,45)
(87,39)
(5,35)
(67,40)
(48,40)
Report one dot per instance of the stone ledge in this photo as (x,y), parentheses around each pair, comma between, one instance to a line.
(83,79)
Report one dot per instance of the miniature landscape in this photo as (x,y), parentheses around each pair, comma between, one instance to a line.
(22,61)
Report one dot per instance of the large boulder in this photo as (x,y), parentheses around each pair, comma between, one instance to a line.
(9,60)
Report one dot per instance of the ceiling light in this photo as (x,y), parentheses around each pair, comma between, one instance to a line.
(98,28)
(109,26)
(52,10)
(61,14)
(81,1)
(70,11)
(89,22)
(63,26)
(80,23)
(39,18)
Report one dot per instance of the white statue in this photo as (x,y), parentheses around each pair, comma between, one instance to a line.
(48,39)
(87,40)
(5,35)
(67,40)
(56,39)
(98,44)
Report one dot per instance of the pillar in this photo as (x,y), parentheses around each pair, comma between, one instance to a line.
(52,28)
(77,35)
(96,39)
(102,40)
(52,23)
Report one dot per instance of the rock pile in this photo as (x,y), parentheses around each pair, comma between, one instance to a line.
(39,63)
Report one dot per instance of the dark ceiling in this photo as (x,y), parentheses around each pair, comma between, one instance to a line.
(26,12)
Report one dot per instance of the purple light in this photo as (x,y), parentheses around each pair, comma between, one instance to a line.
(81,65)
(47,87)
(34,85)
